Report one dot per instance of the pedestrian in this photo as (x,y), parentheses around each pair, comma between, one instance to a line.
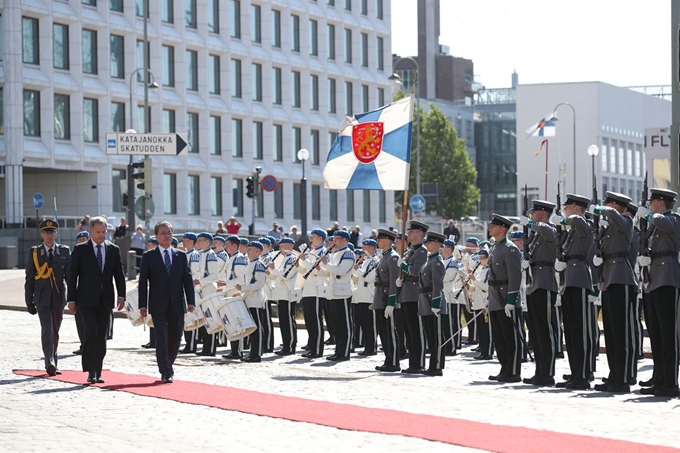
(452,230)
(221,231)
(137,241)
(121,230)
(84,224)
(294,235)
(167,272)
(44,289)
(274,232)
(233,226)
(95,265)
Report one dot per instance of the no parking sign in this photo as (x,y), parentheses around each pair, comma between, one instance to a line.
(269,183)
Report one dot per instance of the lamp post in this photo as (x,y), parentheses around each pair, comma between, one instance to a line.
(303,155)
(593,151)
(554,118)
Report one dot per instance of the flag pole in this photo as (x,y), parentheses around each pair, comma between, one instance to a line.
(545,142)
(404,217)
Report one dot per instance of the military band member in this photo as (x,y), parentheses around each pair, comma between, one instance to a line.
(313,292)
(505,277)
(542,292)
(243,246)
(222,257)
(619,290)
(364,275)
(193,258)
(45,290)
(480,302)
(268,255)
(471,247)
(661,259)
(252,291)
(205,284)
(234,273)
(452,286)
(283,292)
(410,267)
(431,302)
(385,300)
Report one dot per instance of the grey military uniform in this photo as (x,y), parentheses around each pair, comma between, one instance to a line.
(42,289)
(664,246)
(505,275)
(386,280)
(576,249)
(416,258)
(542,248)
(431,286)
(616,240)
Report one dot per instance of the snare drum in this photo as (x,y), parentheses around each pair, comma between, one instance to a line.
(210,306)
(194,319)
(238,323)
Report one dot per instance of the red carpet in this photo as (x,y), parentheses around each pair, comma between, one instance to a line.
(482,436)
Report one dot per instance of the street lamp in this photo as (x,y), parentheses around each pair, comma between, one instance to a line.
(593,151)
(554,118)
(302,156)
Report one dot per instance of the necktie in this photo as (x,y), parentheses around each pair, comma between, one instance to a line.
(50,255)
(100,261)
(167,261)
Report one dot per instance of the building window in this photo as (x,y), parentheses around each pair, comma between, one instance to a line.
(313,37)
(364,7)
(330,2)
(331,42)
(192,70)
(117,179)
(381,97)
(167,14)
(348,5)
(89,51)
(612,156)
(139,8)
(256,24)
(60,46)
(381,54)
(168,62)
(297,143)
(236,78)
(379,8)
(314,92)
(348,45)
(117,60)
(190,13)
(296,89)
(114,5)
(295,33)
(258,144)
(622,156)
(296,201)
(143,119)
(316,202)
(235,14)
(117,117)
(214,74)
(237,137)
(194,199)
(168,121)
(276,86)
(365,98)
(278,201)
(332,105)
(90,2)
(237,197)
(140,59)
(215,135)
(278,143)
(192,132)
(638,165)
(170,193)
(629,161)
(276,28)
(90,120)
(350,205)
(62,117)
(382,209)
(333,204)
(314,138)
(364,50)
(349,98)
(31,113)
(2,116)
(216,196)
(367,206)
(31,53)
(257,82)
(214,16)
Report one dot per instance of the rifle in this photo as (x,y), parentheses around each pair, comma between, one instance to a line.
(644,247)
(525,250)
(561,238)
(596,221)
(321,255)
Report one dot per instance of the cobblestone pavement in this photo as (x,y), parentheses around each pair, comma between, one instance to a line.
(37,413)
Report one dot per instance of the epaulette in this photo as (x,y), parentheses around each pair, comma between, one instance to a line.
(223,255)
(194,258)
(259,267)
(211,257)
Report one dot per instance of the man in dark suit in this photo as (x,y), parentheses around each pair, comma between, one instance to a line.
(94,266)
(166,270)
(45,293)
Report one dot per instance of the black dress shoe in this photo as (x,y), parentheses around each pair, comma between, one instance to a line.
(91,379)
(232,356)
(57,372)
(149,345)
(309,355)
(166,379)
(51,370)
(284,353)
(543,381)
(647,390)
(338,358)
(559,355)
(578,384)
(494,378)
(529,380)
(99,380)
(306,347)
(477,349)
(331,357)
(566,377)
(429,372)
(388,368)
(666,392)
(268,351)
(601,387)
(187,351)
(483,357)
(510,378)
(330,341)
(564,384)
(255,359)
(470,342)
(366,354)
(648,383)
(410,370)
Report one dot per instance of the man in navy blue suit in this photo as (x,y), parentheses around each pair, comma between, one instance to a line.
(166,270)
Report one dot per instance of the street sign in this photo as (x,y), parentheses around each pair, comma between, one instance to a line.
(38,200)
(146,144)
(269,183)
(145,208)
(417,203)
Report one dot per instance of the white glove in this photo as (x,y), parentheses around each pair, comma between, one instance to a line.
(556,219)
(526,264)
(560,266)
(435,311)
(389,311)
(399,282)
(644,261)
(524,220)
(400,261)
(597,261)
(641,212)
(509,308)
(592,299)
(591,209)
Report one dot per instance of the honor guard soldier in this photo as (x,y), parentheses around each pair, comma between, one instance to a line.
(193,258)
(313,292)
(205,285)
(505,277)
(252,291)
(283,292)
(431,302)
(660,259)
(364,274)
(385,300)
(576,284)
(45,292)
(410,267)
(471,247)
(618,286)
(452,285)
(633,252)
(542,289)
(234,273)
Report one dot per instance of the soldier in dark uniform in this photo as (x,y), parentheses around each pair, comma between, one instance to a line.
(505,278)
(410,266)
(619,290)
(541,290)
(633,251)
(431,302)
(45,292)
(664,289)
(385,300)
(576,284)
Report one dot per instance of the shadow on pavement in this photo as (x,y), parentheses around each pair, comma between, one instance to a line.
(60,390)
(132,386)
(648,399)
(594,394)
(313,378)
(16,381)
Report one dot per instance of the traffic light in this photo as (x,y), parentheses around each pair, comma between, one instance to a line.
(144,177)
(250,187)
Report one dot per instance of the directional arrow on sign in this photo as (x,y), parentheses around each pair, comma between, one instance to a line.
(146,144)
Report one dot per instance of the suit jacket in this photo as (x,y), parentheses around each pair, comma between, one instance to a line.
(87,284)
(48,287)
(165,291)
